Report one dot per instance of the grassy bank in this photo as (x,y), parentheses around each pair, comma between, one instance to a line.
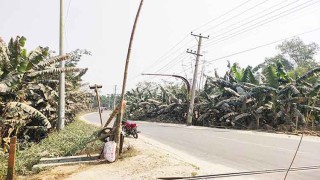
(67,142)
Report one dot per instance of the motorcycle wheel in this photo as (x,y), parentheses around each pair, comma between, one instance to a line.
(135,134)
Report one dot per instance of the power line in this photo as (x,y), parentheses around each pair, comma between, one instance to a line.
(68,11)
(170,66)
(181,57)
(260,23)
(164,55)
(259,17)
(224,14)
(257,47)
(237,15)
(270,42)
(66,22)
(263,45)
(253,20)
(270,8)
(294,157)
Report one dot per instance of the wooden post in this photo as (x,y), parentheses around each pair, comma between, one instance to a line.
(297,119)
(95,87)
(99,104)
(11,160)
(121,143)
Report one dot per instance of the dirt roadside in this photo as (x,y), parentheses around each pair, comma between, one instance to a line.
(143,158)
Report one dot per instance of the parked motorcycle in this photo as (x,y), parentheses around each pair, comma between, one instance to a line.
(130,128)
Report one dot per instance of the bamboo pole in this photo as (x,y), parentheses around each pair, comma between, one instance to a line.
(119,118)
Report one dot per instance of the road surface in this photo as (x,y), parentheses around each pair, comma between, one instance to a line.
(240,150)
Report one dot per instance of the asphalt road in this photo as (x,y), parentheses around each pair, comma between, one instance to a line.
(240,150)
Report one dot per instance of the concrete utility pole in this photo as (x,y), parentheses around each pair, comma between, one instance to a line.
(114,97)
(194,81)
(95,87)
(61,111)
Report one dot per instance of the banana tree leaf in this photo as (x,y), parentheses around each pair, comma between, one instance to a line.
(55,71)
(308,74)
(46,63)
(228,115)
(30,110)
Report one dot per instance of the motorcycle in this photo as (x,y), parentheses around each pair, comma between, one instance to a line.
(130,128)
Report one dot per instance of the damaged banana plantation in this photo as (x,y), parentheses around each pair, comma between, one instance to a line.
(281,94)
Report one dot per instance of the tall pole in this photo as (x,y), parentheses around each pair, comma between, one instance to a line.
(119,118)
(99,103)
(96,87)
(61,111)
(114,97)
(194,81)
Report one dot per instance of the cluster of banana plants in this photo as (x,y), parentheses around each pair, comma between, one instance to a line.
(151,100)
(250,98)
(29,90)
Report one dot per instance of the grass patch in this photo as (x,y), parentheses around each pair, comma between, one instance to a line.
(67,142)
(129,151)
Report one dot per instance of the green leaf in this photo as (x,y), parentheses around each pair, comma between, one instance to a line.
(271,76)
(248,76)
(23,67)
(237,73)
(22,41)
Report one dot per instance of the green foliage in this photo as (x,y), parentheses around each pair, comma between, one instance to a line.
(245,98)
(299,52)
(70,141)
(29,88)
(248,76)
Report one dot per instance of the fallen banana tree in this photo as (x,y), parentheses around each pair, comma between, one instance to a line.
(237,100)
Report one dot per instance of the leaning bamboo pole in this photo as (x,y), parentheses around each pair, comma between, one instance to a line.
(119,118)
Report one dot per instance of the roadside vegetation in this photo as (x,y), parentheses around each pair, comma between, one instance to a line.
(70,141)
(280,94)
(29,103)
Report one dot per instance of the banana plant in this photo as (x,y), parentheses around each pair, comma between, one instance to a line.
(29,87)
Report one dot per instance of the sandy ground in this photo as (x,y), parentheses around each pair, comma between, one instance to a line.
(143,159)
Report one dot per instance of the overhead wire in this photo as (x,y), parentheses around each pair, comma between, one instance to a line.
(254,15)
(166,67)
(246,11)
(207,45)
(165,56)
(169,51)
(258,5)
(222,15)
(65,24)
(261,16)
(237,15)
(263,45)
(169,66)
(256,47)
(260,23)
